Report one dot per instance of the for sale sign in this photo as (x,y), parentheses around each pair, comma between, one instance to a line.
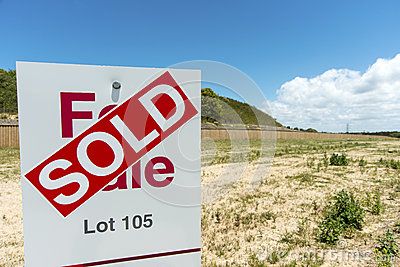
(110,164)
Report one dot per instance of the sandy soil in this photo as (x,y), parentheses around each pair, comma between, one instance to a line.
(277,222)
(260,215)
(11,238)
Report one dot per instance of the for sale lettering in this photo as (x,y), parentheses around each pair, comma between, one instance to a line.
(133,175)
(93,159)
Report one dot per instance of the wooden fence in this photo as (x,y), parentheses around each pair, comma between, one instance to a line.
(278,133)
(9,135)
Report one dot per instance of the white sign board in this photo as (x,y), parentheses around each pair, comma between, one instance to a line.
(110,165)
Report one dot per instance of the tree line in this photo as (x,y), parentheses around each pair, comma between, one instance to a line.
(8,92)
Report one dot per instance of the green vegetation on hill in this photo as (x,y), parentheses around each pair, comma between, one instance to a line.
(224,110)
(8,92)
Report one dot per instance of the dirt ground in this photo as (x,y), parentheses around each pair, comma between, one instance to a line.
(260,215)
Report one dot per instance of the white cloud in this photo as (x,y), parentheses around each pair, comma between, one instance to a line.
(368,101)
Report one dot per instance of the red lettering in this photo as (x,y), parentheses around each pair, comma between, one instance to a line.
(105,110)
(134,173)
(67,114)
(122,181)
(151,170)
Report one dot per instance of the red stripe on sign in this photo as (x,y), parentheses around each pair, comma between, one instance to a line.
(73,174)
(136,258)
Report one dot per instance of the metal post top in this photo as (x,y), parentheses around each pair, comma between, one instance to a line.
(116,85)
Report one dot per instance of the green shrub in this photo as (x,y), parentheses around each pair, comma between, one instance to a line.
(221,158)
(348,210)
(310,162)
(375,203)
(290,264)
(254,155)
(254,261)
(306,178)
(276,255)
(386,250)
(392,164)
(325,160)
(343,214)
(312,260)
(330,230)
(338,160)
(362,162)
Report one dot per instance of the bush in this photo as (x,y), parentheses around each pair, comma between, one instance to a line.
(391,164)
(254,261)
(325,161)
(376,205)
(348,210)
(394,164)
(386,250)
(362,162)
(338,160)
(330,230)
(343,214)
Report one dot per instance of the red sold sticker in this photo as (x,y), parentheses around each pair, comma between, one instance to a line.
(80,169)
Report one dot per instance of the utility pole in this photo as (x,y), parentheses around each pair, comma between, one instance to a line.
(347,128)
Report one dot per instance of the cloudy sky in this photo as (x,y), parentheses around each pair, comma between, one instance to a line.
(366,100)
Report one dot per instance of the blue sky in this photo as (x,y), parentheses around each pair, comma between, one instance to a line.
(272,41)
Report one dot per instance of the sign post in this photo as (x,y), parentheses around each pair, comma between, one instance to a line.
(110,165)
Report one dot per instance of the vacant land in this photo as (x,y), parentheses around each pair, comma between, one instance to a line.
(281,220)
(11,240)
(289,214)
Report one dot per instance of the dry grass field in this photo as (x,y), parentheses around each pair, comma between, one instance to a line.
(297,215)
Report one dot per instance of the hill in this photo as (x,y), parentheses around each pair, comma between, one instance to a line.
(223,110)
